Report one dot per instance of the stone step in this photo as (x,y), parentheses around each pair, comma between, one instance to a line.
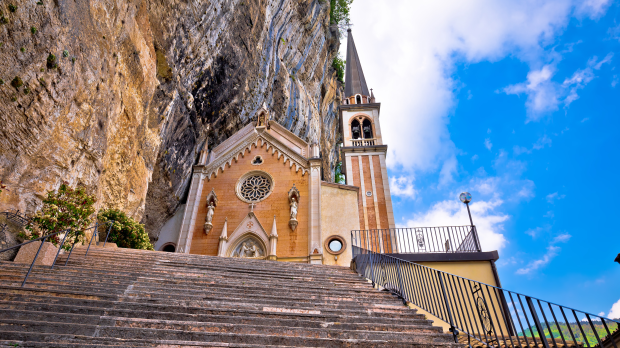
(376,310)
(199,282)
(46,340)
(152,311)
(19,272)
(243,334)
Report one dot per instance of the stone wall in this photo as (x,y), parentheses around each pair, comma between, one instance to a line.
(138,88)
(339,215)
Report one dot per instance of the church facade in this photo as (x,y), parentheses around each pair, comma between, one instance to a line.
(259,194)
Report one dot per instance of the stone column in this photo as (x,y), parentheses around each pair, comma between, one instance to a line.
(191,210)
(314,218)
(273,241)
(221,251)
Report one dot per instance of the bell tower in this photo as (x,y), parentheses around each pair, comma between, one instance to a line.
(363,152)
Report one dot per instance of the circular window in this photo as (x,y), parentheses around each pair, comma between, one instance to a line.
(335,245)
(254,186)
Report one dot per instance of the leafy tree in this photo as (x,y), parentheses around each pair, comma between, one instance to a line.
(67,208)
(339,13)
(338,64)
(125,231)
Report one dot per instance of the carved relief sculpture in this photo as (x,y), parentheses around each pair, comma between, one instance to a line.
(249,249)
(293,198)
(211,204)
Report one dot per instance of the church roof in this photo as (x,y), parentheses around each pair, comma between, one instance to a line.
(355,83)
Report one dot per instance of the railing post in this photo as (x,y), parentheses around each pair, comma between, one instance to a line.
(541,331)
(400,281)
(96,232)
(59,249)
(445,298)
(33,261)
(476,240)
(108,234)
(70,251)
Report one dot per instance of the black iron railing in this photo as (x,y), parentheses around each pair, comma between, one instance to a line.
(445,239)
(65,233)
(493,316)
(15,217)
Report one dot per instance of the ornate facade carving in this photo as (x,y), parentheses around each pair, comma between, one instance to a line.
(293,199)
(211,204)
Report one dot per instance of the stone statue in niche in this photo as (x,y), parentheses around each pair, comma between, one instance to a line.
(249,249)
(211,204)
(293,199)
(293,209)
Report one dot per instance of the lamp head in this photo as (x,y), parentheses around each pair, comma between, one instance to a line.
(465,197)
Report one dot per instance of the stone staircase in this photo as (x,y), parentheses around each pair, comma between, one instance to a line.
(137,298)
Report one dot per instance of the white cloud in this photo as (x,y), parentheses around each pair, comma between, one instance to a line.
(614,312)
(488,221)
(552,197)
(585,119)
(402,187)
(420,44)
(552,252)
(539,144)
(488,144)
(562,238)
(544,95)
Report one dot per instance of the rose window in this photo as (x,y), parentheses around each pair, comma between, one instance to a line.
(254,187)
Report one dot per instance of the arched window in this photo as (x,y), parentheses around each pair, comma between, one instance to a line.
(358,99)
(356,132)
(367,129)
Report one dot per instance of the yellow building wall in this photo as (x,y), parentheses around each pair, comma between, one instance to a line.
(339,215)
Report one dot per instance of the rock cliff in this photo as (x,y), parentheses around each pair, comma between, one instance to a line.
(121,96)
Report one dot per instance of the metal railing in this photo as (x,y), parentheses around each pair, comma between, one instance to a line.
(15,217)
(493,316)
(364,142)
(66,233)
(446,239)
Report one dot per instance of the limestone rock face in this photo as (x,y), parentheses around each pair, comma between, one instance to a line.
(121,96)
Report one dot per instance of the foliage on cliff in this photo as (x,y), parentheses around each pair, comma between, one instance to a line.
(339,64)
(339,14)
(68,208)
(125,231)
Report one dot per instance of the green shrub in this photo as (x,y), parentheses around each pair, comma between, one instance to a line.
(339,64)
(33,30)
(12,8)
(51,61)
(67,208)
(125,231)
(17,82)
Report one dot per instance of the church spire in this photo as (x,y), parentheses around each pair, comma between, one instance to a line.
(354,76)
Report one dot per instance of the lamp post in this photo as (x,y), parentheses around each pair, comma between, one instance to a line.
(465,197)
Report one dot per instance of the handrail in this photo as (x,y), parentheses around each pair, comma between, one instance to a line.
(441,239)
(481,311)
(43,239)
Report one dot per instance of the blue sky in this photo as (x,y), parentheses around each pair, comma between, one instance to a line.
(517,103)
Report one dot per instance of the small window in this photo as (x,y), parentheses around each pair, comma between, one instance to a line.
(335,245)
(358,99)
(257,160)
